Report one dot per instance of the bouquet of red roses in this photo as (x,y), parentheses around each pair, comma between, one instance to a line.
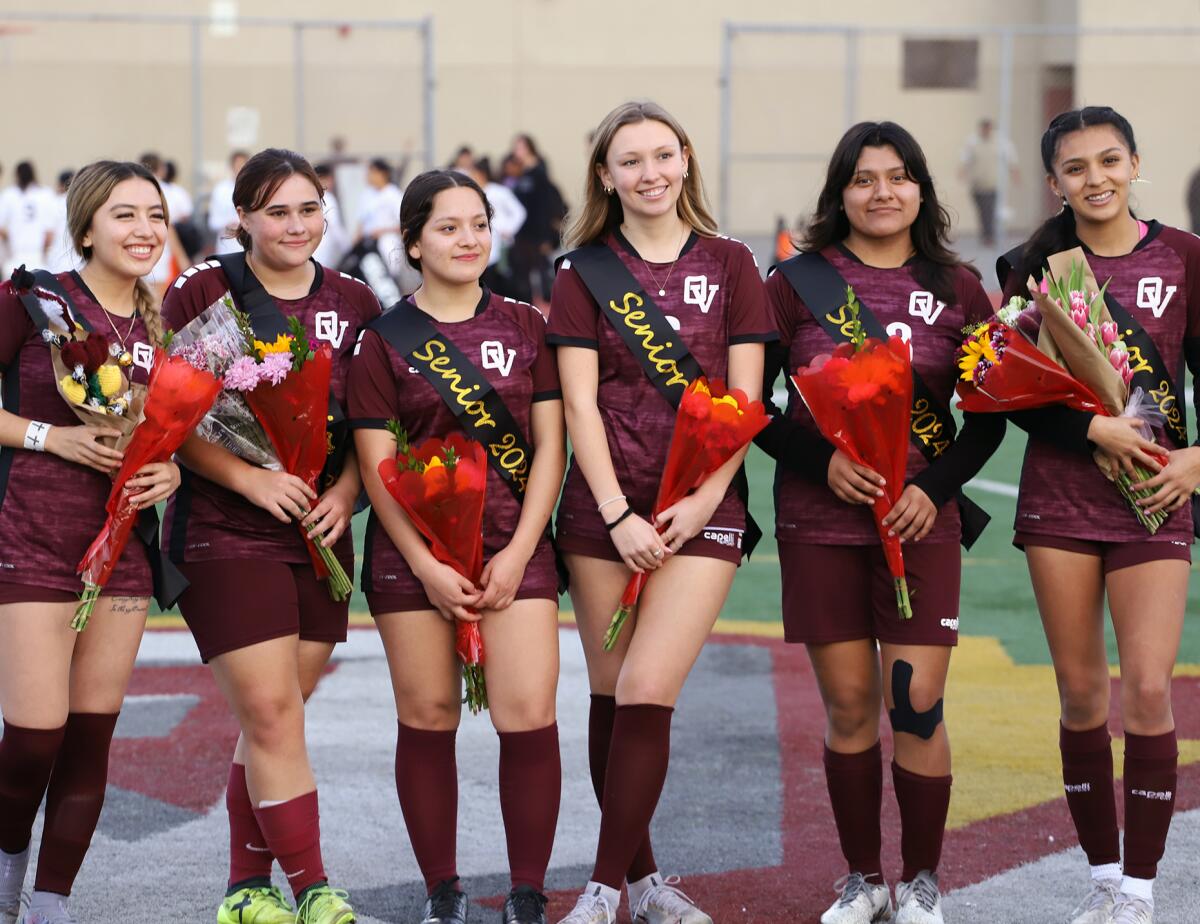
(712,425)
(177,396)
(441,485)
(860,398)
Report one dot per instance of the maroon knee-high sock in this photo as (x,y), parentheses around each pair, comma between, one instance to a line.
(924,803)
(26,761)
(637,769)
(292,830)
(1151,777)
(1087,766)
(600,728)
(530,788)
(249,856)
(74,799)
(427,784)
(855,783)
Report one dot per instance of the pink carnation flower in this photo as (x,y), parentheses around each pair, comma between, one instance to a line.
(275,367)
(243,374)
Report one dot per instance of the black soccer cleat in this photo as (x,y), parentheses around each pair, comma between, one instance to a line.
(525,905)
(447,904)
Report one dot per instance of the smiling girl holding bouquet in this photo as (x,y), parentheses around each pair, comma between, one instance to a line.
(1082,542)
(879,228)
(499,344)
(257,611)
(61,691)
(648,245)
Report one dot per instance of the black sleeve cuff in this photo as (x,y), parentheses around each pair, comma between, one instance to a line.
(769,337)
(560,340)
(555,395)
(1057,425)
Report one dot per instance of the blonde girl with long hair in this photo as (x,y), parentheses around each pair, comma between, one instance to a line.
(61,691)
(644,205)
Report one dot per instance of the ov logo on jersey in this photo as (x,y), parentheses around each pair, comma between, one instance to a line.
(493,356)
(1151,294)
(697,291)
(924,306)
(143,355)
(328,327)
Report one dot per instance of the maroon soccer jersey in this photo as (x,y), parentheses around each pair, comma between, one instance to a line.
(809,512)
(205,521)
(506,342)
(52,509)
(714,298)
(1063,493)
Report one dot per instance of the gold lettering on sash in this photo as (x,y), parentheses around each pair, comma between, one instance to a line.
(843,320)
(928,427)
(1137,362)
(440,364)
(632,319)
(512,459)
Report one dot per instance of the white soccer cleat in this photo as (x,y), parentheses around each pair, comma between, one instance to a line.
(1130,909)
(664,904)
(12,877)
(860,902)
(1097,905)
(590,909)
(56,913)
(919,901)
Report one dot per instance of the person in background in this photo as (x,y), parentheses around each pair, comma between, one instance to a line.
(1193,202)
(540,235)
(463,159)
(336,242)
(25,220)
(223,219)
(507,218)
(60,255)
(379,214)
(183,211)
(983,157)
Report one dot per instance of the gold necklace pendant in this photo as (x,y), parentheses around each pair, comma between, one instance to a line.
(125,359)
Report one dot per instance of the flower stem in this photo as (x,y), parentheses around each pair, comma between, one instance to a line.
(476,698)
(1151,521)
(613,632)
(903,604)
(339,584)
(87,603)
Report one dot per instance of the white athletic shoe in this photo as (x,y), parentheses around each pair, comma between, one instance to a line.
(665,904)
(919,902)
(1097,905)
(859,902)
(590,909)
(55,913)
(12,877)
(1130,909)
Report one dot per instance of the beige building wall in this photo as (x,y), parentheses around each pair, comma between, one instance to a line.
(554,67)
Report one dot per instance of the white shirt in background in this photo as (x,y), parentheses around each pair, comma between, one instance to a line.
(221,213)
(507,218)
(380,209)
(61,256)
(25,215)
(336,242)
(179,201)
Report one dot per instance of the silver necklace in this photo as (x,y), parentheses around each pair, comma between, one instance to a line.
(662,289)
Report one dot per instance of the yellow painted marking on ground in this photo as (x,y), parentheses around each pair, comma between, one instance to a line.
(1003,730)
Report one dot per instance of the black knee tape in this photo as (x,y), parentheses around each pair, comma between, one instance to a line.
(904,717)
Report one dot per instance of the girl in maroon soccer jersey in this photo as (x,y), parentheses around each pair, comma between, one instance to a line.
(644,204)
(255,607)
(445,226)
(61,691)
(1082,543)
(879,225)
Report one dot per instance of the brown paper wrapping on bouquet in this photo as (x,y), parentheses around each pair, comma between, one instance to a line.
(98,417)
(1063,341)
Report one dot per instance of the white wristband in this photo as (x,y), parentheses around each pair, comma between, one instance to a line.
(611,500)
(35,435)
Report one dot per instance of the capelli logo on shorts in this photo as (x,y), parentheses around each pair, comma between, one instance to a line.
(950,623)
(1077,787)
(1156,795)
(730,538)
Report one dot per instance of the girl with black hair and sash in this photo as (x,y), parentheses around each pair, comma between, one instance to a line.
(1082,543)
(879,228)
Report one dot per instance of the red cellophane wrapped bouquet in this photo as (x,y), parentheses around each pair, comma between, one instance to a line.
(177,397)
(712,425)
(441,485)
(860,398)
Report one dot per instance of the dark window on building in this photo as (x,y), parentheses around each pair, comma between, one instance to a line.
(941,64)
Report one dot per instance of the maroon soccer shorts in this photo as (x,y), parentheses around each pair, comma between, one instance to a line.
(28,593)
(721,542)
(1113,555)
(839,593)
(232,604)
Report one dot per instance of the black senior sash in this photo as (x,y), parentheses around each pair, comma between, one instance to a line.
(823,290)
(268,322)
(655,344)
(169,583)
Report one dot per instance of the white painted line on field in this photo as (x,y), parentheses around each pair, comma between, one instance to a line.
(993,487)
